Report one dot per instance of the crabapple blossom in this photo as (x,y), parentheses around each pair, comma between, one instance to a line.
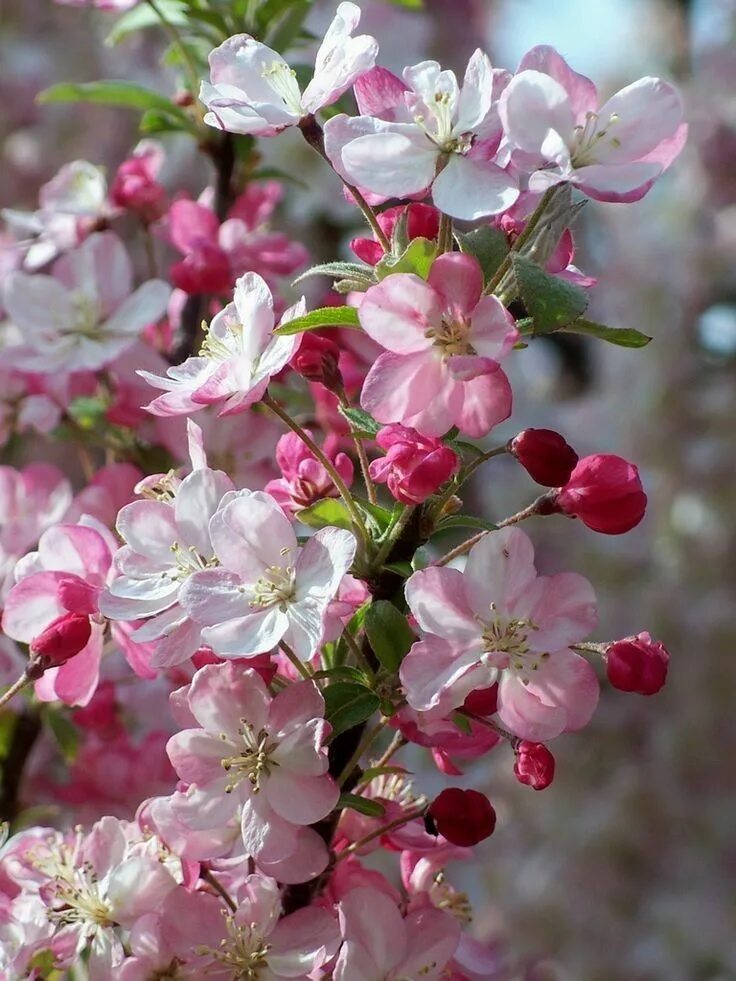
(534,765)
(238,357)
(545,455)
(317,360)
(135,187)
(499,621)
(605,492)
(304,480)
(253,90)
(267,589)
(637,664)
(612,153)
(166,541)
(443,342)
(255,759)
(441,135)
(415,466)
(464,817)
(83,315)
(379,943)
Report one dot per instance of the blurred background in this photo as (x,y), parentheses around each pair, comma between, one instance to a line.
(624,868)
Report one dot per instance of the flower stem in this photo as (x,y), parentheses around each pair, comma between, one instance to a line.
(208,876)
(396,743)
(394,535)
(370,487)
(489,724)
(444,238)
(324,460)
(369,736)
(17,686)
(530,228)
(512,520)
(404,819)
(300,666)
(177,39)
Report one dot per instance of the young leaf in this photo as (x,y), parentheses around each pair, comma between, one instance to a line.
(621,336)
(348,705)
(359,274)
(124,95)
(417,258)
(465,521)
(328,512)
(379,516)
(143,16)
(364,805)
(488,245)
(550,301)
(324,317)
(361,420)
(389,634)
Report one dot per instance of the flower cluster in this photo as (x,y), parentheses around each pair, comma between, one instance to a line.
(253,632)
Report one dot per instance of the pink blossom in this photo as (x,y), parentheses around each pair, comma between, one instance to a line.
(499,621)
(22,409)
(135,187)
(166,541)
(448,743)
(239,356)
(444,136)
(110,489)
(444,341)
(414,466)
(83,315)
(216,253)
(268,589)
(253,90)
(255,759)
(304,480)
(612,153)
(605,492)
(64,577)
(31,500)
(380,943)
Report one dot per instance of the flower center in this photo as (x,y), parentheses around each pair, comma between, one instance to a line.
(444,896)
(254,759)
(186,562)
(276,587)
(282,80)
(74,896)
(451,337)
(87,315)
(506,646)
(244,951)
(222,348)
(588,137)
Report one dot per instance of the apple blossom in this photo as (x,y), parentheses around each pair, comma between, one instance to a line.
(238,357)
(85,314)
(253,90)
(499,621)
(415,466)
(444,136)
(267,589)
(255,759)
(612,153)
(443,343)
(135,187)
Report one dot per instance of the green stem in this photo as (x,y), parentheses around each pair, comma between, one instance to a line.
(208,876)
(394,535)
(473,465)
(489,724)
(368,739)
(512,520)
(370,487)
(396,743)
(444,238)
(531,227)
(357,653)
(300,666)
(177,39)
(324,460)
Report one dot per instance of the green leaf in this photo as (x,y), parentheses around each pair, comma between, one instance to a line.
(403,569)
(417,258)
(158,121)
(124,95)
(371,808)
(550,301)
(462,722)
(354,271)
(621,336)
(88,411)
(380,517)
(378,771)
(466,521)
(348,705)
(343,671)
(488,245)
(409,4)
(64,732)
(324,317)
(361,421)
(143,16)
(285,27)
(389,634)
(328,512)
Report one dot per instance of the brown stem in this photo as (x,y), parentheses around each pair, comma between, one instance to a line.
(536,507)
(26,732)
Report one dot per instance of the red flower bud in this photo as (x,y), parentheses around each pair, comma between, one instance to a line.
(605,492)
(535,765)
(464,817)
(415,466)
(482,701)
(545,455)
(317,360)
(205,270)
(422,221)
(637,664)
(64,637)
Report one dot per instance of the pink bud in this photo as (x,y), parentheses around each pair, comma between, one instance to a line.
(415,466)
(605,492)
(422,221)
(545,455)
(205,269)
(64,637)
(464,817)
(136,189)
(637,664)
(317,360)
(535,765)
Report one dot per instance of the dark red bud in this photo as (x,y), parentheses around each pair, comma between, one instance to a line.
(317,360)
(638,664)
(464,817)
(545,455)
(64,637)
(482,701)
(535,765)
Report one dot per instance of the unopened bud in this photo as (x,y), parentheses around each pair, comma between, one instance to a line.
(605,492)
(545,455)
(535,765)
(64,637)
(317,360)
(464,817)
(638,664)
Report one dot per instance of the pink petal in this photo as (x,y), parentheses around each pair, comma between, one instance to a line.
(531,105)
(486,403)
(398,312)
(222,694)
(437,598)
(580,90)
(301,799)
(294,707)
(470,189)
(457,281)
(500,568)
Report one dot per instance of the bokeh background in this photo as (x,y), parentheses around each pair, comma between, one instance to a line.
(625,867)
